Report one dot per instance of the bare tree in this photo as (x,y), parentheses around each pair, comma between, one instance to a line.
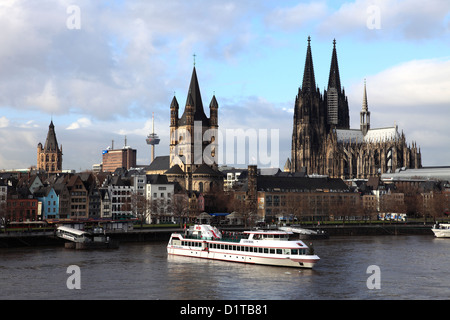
(437,205)
(244,209)
(180,207)
(138,206)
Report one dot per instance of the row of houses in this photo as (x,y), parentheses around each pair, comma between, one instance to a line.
(249,194)
(120,195)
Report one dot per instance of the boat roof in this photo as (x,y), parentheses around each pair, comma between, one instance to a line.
(279,232)
(72,230)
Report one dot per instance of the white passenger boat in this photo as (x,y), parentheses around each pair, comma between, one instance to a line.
(267,247)
(441,230)
(84,240)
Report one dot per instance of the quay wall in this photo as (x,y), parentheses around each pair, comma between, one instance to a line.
(37,239)
(376,230)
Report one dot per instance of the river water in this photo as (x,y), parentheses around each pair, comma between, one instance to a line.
(409,267)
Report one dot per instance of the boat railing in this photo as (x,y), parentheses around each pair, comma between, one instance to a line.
(225,237)
(235,239)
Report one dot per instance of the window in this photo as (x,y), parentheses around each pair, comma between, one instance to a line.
(276,201)
(269,201)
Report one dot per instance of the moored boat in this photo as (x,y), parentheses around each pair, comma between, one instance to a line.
(441,230)
(82,240)
(305,234)
(266,247)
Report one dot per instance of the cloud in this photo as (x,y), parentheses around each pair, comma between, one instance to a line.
(121,58)
(414,95)
(47,100)
(366,19)
(80,123)
(410,85)
(392,19)
(298,16)
(4,122)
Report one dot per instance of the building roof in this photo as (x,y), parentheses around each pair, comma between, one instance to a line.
(425,173)
(300,184)
(175,170)
(373,135)
(207,170)
(157,179)
(160,163)
(51,144)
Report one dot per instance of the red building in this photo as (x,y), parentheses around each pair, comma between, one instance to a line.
(21,209)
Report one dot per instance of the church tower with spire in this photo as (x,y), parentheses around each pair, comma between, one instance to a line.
(49,156)
(337,103)
(193,141)
(365,114)
(310,116)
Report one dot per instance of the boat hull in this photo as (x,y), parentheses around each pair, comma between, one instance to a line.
(304,261)
(441,233)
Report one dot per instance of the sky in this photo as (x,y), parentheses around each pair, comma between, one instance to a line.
(100,69)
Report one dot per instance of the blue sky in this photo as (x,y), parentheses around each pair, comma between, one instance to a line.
(102,82)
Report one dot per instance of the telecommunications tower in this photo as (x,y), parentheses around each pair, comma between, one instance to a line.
(152,138)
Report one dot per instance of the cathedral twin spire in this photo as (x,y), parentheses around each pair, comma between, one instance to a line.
(333,110)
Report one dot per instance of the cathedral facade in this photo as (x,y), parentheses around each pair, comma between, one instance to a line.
(324,144)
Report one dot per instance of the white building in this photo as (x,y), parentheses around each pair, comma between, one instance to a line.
(159,193)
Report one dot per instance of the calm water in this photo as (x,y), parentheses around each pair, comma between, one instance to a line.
(412,267)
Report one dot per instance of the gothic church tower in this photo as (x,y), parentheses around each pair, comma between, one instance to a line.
(49,156)
(193,141)
(337,102)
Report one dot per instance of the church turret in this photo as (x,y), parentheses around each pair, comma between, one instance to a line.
(174,107)
(213,113)
(365,114)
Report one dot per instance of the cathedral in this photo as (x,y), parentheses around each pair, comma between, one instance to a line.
(324,144)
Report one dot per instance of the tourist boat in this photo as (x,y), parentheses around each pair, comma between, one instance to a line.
(266,247)
(441,230)
(81,240)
